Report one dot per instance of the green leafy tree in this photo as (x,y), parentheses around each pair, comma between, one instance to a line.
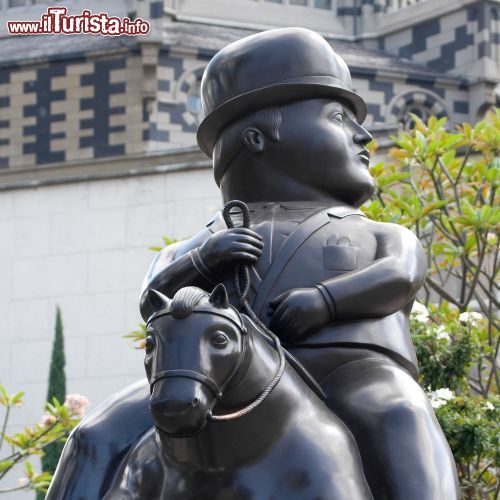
(56,389)
(442,185)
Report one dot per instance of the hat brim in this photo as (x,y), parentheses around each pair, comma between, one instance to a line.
(274,95)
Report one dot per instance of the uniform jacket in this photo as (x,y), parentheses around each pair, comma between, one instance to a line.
(348,257)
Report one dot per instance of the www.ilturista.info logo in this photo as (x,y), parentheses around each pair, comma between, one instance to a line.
(57,21)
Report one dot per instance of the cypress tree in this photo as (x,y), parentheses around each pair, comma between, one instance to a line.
(56,389)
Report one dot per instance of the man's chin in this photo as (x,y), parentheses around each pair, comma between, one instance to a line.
(366,198)
(357,197)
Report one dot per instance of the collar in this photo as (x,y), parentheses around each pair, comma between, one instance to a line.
(338,209)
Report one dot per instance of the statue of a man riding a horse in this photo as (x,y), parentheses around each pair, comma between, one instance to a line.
(279,360)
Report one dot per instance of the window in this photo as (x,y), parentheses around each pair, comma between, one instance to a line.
(419,102)
(193,103)
(189,94)
(24,3)
(419,110)
(317,4)
(323,4)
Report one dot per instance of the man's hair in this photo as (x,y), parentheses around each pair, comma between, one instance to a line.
(229,142)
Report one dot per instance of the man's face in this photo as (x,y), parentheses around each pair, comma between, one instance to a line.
(322,146)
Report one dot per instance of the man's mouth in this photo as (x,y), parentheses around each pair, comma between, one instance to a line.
(365,156)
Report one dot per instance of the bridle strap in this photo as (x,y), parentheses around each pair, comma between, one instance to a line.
(201,377)
(204,379)
(202,309)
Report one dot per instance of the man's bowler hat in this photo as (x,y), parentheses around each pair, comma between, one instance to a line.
(267,69)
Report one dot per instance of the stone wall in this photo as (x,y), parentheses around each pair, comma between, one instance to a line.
(462,42)
(84,246)
(74,109)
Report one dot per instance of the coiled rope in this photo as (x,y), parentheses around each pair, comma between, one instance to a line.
(242,284)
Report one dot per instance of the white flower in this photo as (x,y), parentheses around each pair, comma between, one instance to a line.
(437,403)
(48,420)
(76,404)
(419,312)
(440,397)
(442,334)
(444,393)
(23,482)
(491,238)
(470,318)
(489,405)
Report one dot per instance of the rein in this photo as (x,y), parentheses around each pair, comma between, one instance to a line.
(242,283)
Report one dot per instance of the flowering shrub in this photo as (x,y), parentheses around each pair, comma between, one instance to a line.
(443,186)
(449,347)
(55,425)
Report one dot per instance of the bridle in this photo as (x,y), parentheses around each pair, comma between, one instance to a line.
(217,389)
(242,284)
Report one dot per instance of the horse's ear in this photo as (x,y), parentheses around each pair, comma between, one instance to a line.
(157,300)
(219,297)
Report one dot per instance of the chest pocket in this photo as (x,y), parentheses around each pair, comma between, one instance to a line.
(339,255)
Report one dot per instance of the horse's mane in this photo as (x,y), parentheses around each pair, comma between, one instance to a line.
(185,300)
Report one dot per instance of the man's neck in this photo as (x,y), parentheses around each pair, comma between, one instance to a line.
(244,183)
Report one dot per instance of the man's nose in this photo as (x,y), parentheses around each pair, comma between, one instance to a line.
(361,135)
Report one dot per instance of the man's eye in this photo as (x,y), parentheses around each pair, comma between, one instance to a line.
(149,343)
(338,117)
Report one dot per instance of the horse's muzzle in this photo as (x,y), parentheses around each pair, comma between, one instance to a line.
(180,406)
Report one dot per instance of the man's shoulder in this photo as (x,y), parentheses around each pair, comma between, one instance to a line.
(343,211)
(215,224)
(348,215)
(389,230)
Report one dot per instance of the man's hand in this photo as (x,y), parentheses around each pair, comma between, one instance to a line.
(228,247)
(298,312)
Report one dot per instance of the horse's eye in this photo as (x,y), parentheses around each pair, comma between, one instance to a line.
(219,340)
(149,343)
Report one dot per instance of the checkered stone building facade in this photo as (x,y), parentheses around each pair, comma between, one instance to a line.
(84,98)
(98,156)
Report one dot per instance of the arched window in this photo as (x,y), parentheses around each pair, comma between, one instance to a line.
(188,93)
(421,103)
(193,102)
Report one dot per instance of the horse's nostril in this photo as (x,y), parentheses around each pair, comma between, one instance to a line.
(195,402)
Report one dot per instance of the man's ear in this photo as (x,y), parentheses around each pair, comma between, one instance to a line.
(254,140)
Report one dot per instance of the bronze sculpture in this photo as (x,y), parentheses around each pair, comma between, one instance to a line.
(202,357)
(284,129)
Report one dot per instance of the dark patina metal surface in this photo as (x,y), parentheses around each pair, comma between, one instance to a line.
(284,129)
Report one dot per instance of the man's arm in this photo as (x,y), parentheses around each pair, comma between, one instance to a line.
(200,261)
(386,285)
(174,268)
(383,287)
